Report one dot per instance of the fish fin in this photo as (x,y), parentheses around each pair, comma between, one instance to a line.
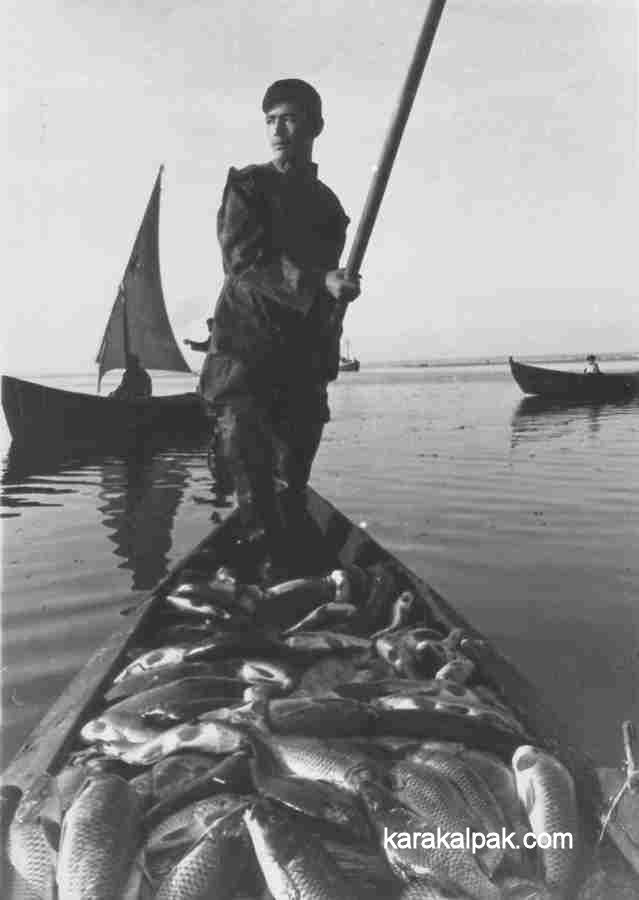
(51,831)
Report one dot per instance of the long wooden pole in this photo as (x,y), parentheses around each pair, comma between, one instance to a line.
(391,144)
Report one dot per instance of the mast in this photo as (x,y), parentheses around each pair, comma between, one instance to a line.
(125,325)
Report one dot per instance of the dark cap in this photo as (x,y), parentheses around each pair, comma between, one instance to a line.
(591,356)
(294,90)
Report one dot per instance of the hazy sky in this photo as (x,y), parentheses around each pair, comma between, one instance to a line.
(509,225)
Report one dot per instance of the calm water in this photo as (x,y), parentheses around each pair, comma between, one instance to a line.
(527,520)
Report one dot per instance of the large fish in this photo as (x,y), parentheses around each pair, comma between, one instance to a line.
(33,836)
(547,792)
(212,737)
(152,678)
(99,840)
(216,595)
(231,643)
(194,606)
(322,642)
(431,794)
(232,775)
(172,774)
(419,857)
(214,867)
(185,827)
(403,613)
(177,699)
(326,673)
(337,762)
(364,866)
(383,590)
(408,690)
(481,803)
(319,716)
(248,670)
(142,716)
(459,669)
(218,645)
(329,615)
(288,602)
(319,800)
(294,862)
(429,889)
(449,696)
(190,631)
(501,781)
(409,718)
(414,652)
(158,658)
(516,888)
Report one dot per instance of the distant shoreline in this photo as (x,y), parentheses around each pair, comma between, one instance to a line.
(541,359)
(503,360)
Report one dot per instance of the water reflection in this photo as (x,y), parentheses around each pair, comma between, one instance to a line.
(139,491)
(542,418)
(140,496)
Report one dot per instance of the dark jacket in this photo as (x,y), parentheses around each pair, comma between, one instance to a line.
(135,385)
(279,234)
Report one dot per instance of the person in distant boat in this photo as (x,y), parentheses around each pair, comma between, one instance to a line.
(275,344)
(592,366)
(136,381)
(201,346)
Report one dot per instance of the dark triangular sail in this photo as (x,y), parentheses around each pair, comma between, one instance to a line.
(139,322)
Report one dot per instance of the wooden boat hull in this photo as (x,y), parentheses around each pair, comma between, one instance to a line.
(553,383)
(37,411)
(331,539)
(349,365)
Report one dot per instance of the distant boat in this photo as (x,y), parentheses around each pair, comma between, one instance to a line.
(348,363)
(138,324)
(573,385)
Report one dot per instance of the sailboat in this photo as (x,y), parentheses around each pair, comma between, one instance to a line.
(138,324)
(348,363)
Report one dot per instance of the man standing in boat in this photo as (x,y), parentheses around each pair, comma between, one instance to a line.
(592,366)
(274,345)
(136,381)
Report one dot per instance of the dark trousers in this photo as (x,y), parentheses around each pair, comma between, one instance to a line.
(263,430)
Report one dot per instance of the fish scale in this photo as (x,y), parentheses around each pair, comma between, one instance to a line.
(547,791)
(480,801)
(429,792)
(339,764)
(447,864)
(501,781)
(99,840)
(430,890)
(33,836)
(215,865)
(192,821)
(294,863)
(32,857)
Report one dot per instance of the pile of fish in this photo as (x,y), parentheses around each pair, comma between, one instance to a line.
(237,758)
